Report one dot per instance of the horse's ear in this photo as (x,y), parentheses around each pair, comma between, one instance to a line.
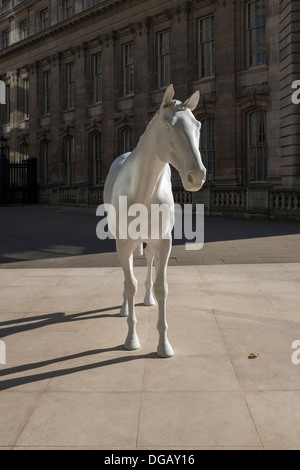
(168,96)
(193,101)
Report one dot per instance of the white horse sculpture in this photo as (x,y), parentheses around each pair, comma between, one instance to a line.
(144,177)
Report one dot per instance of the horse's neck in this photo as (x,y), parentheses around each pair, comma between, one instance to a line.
(148,171)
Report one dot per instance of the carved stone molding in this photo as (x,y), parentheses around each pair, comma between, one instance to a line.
(93,126)
(249,97)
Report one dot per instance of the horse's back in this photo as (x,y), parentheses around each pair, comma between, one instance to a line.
(112,176)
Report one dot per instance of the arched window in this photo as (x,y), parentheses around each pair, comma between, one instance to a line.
(257,146)
(45,162)
(207,146)
(96,157)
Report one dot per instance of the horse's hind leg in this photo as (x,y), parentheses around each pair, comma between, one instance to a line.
(149,299)
(162,253)
(130,288)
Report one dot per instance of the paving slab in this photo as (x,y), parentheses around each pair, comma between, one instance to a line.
(68,383)
(46,236)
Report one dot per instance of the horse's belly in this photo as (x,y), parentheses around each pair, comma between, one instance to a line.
(110,182)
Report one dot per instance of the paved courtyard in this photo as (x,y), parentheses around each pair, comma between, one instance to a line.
(69,384)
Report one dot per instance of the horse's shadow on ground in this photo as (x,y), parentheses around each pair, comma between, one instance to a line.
(20,325)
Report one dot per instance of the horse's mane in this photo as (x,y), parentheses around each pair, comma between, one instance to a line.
(148,127)
(177,105)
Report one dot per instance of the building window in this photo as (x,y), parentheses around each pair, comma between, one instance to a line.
(45,162)
(96,155)
(26,97)
(70,85)
(23,29)
(46,92)
(257,145)
(92,3)
(69,152)
(126,140)
(97,78)
(128,69)
(206,58)
(5,39)
(67,9)
(164,59)
(256,33)
(44,19)
(207,146)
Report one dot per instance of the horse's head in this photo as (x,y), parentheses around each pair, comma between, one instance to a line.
(178,141)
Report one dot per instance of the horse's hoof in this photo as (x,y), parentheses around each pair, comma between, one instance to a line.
(165,350)
(132,343)
(149,300)
(124,311)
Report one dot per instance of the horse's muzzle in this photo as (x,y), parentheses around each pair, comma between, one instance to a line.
(194,180)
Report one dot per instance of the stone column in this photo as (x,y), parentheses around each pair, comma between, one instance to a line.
(80,175)
(109,94)
(55,119)
(289,37)
(225,124)
(33,111)
(140,82)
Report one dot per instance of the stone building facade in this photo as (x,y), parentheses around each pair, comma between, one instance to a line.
(83,78)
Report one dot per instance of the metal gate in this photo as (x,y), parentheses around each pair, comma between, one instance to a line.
(18,182)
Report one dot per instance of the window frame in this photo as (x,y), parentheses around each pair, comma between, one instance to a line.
(163,59)
(208,46)
(23,32)
(26,97)
(96,152)
(44,22)
(97,78)
(46,92)
(70,85)
(67,6)
(253,43)
(70,158)
(253,149)
(5,38)
(128,68)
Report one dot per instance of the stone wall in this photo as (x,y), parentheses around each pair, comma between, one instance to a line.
(228,96)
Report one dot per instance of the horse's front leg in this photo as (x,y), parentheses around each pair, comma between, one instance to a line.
(162,252)
(130,288)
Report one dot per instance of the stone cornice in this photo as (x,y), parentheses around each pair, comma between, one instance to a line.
(61,26)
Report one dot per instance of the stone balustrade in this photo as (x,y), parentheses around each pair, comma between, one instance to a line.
(217,201)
